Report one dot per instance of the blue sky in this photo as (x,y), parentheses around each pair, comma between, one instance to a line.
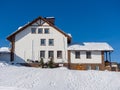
(86,20)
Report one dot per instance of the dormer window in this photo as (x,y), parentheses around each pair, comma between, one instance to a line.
(46,31)
(33,30)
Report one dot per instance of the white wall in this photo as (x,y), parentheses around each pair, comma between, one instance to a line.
(24,41)
(95,57)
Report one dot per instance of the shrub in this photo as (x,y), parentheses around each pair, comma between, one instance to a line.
(51,63)
(42,62)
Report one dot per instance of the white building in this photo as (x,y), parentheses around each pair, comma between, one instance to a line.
(39,39)
(5,54)
(42,39)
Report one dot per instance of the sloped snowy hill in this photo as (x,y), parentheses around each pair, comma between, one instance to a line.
(26,78)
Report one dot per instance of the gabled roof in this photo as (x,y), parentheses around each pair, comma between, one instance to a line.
(29,24)
(91,46)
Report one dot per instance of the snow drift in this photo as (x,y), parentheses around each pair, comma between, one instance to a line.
(26,78)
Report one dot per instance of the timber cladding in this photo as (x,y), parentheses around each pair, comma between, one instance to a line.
(12,49)
(84,66)
(69,59)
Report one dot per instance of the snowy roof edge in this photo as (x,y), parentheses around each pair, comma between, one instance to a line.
(91,46)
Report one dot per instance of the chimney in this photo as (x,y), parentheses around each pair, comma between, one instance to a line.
(51,20)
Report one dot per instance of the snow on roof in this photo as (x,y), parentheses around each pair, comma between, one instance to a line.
(69,34)
(4,50)
(93,46)
(20,27)
(50,17)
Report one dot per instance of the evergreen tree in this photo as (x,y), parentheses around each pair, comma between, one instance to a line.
(51,63)
(42,62)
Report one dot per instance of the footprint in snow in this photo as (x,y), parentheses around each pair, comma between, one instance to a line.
(52,83)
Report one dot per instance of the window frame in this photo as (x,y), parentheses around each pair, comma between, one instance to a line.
(42,54)
(88,55)
(50,53)
(59,55)
(97,68)
(39,30)
(34,30)
(52,42)
(77,54)
(46,29)
(41,42)
(89,67)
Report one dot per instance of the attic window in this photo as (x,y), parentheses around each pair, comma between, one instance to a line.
(33,30)
(46,31)
(40,30)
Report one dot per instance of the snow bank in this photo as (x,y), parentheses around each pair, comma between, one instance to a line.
(3,64)
(57,79)
(11,88)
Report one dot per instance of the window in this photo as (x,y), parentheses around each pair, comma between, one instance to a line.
(50,54)
(88,67)
(43,42)
(88,55)
(59,54)
(33,30)
(96,67)
(42,54)
(77,54)
(40,30)
(46,30)
(51,42)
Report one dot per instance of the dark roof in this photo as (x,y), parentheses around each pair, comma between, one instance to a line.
(29,24)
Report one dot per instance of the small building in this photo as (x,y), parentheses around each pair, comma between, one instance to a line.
(5,54)
(88,55)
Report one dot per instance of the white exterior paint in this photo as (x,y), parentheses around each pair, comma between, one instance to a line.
(96,57)
(27,45)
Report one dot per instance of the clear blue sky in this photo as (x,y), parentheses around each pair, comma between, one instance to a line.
(86,20)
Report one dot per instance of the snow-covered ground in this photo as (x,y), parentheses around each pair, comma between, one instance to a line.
(28,78)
